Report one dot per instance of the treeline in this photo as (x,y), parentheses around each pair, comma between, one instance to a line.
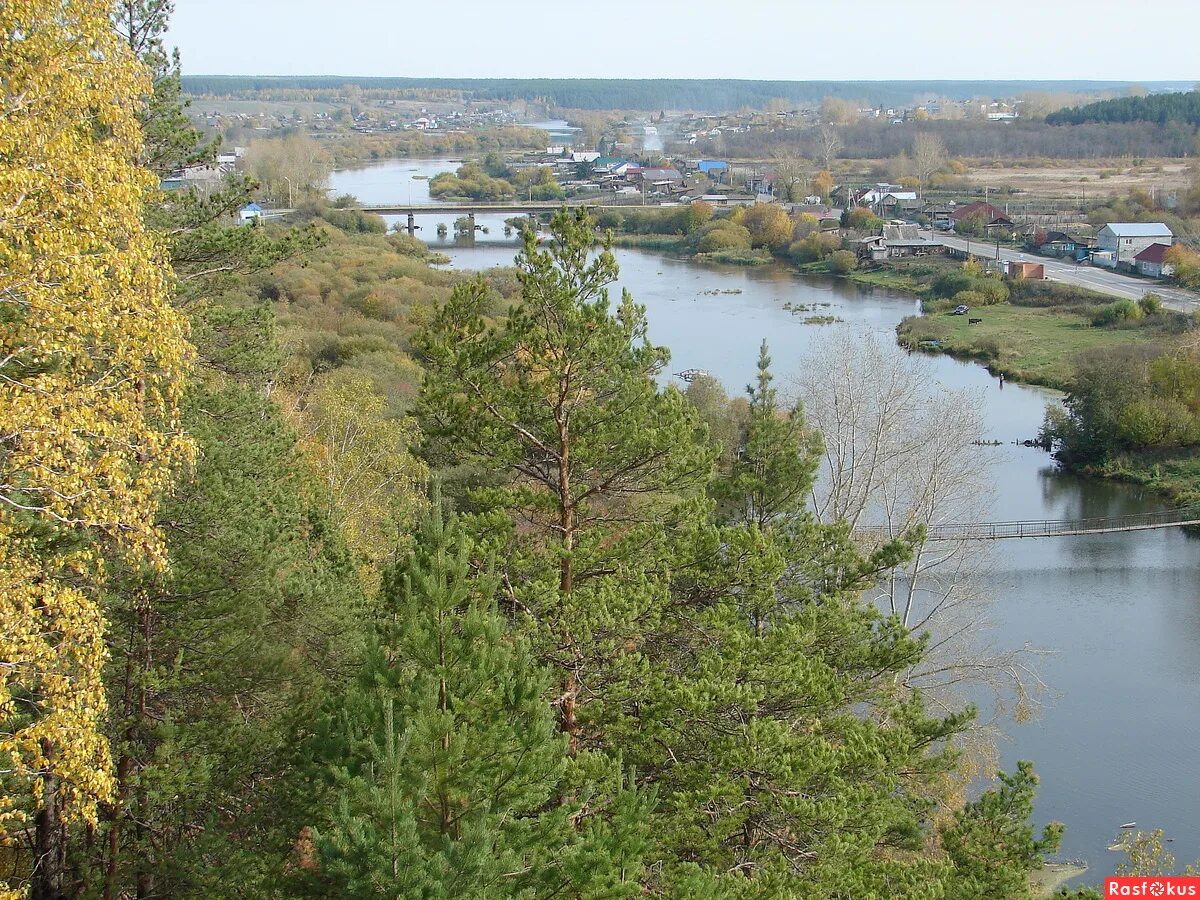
(709,95)
(1153,108)
(1002,140)
(354,149)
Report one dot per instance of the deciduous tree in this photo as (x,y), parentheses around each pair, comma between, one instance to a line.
(92,359)
(928,156)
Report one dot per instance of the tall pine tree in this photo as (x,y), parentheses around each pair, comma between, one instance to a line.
(442,760)
(588,463)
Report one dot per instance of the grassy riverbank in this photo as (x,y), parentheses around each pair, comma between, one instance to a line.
(1174,474)
(1027,344)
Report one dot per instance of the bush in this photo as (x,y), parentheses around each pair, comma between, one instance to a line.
(861,219)
(731,237)
(1119,312)
(842,262)
(816,246)
(949,284)
(805,224)
(1151,304)
(993,290)
(352,221)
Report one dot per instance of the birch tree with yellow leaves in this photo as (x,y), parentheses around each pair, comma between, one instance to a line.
(91,365)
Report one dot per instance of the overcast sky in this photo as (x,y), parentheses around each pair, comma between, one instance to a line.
(784,39)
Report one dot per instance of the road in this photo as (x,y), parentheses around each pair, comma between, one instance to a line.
(1096,278)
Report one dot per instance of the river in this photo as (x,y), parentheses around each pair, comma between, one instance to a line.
(1119,613)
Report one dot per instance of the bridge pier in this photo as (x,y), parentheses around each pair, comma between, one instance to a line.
(412,224)
(471,216)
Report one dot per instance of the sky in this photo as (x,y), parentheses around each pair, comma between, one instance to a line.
(796,40)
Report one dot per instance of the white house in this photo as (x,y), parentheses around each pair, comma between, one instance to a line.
(249,213)
(1127,239)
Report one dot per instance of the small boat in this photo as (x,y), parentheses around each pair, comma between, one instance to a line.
(1130,825)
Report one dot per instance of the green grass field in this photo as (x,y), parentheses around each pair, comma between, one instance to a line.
(1036,346)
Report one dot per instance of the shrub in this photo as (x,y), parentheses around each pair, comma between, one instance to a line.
(805,224)
(993,290)
(861,219)
(1118,312)
(948,284)
(842,262)
(1151,304)
(815,247)
(726,237)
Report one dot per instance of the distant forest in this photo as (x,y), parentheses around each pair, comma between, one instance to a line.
(712,95)
(1158,108)
(1008,140)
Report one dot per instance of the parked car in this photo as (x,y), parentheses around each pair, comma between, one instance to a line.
(961,310)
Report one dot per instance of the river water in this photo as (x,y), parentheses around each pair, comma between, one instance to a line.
(1118,613)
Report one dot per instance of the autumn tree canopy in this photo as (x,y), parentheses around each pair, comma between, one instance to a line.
(91,360)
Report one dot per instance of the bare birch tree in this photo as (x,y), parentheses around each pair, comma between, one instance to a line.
(928,155)
(830,145)
(901,451)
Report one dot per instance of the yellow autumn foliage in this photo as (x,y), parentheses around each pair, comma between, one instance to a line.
(91,361)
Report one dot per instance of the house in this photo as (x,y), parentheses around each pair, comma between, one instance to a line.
(201,178)
(729,198)
(582,156)
(1056,243)
(901,204)
(606,164)
(873,248)
(939,215)
(713,168)
(662,180)
(1127,239)
(249,214)
(992,217)
(903,241)
(1152,263)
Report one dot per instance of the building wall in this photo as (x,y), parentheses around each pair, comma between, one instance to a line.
(1127,248)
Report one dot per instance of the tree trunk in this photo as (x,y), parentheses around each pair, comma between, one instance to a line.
(49,842)
(566,583)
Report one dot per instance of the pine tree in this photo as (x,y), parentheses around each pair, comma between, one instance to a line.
(991,844)
(772,471)
(586,463)
(218,662)
(442,759)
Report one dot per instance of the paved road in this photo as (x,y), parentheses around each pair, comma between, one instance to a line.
(1096,278)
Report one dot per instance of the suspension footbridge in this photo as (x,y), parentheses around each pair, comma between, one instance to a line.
(1042,528)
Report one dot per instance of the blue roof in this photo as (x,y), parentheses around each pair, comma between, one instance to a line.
(251,207)
(707,165)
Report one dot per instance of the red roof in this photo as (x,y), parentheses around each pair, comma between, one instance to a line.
(1153,254)
(986,209)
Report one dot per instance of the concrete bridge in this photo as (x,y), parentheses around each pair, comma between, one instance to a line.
(1036,528)
(470,209)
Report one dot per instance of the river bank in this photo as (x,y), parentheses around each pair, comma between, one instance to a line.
(1033,337)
